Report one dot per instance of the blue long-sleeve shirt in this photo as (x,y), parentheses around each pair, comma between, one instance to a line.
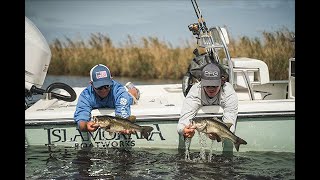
(117,98)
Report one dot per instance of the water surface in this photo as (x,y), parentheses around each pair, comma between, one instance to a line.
(100,163)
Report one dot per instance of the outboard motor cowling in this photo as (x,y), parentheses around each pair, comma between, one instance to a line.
(37,56)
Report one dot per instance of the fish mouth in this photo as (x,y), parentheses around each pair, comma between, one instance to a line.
(197,125)
(193,125)
(95,119)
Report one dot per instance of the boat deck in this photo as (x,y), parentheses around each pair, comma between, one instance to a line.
(157,102)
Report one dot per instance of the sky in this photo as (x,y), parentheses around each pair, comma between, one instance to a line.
(167,20)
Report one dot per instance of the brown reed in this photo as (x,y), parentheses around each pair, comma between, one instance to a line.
(150,58)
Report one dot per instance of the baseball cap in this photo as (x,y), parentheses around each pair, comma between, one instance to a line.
(100,76)
(210,75)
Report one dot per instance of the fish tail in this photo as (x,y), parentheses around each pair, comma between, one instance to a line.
(145,131)
(238,142)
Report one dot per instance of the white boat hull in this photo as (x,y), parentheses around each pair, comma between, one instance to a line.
(266,125)
(262,134)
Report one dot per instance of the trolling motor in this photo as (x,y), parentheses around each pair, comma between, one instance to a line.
(37,60)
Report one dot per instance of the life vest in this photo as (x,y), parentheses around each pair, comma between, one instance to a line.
(193,73)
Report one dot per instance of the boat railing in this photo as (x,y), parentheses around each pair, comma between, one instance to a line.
(246,77)
(220,41)
(291,86)
(252,71)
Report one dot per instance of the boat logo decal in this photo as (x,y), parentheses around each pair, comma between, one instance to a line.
(99,138)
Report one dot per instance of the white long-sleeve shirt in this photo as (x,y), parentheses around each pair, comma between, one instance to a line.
(226,98)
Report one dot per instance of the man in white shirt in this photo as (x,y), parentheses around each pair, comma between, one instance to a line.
(209,91)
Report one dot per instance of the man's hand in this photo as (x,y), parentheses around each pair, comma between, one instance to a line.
(188,131)
(88,126)
(91,126)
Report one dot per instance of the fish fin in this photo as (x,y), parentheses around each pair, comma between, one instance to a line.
(132,118)
(118,116)
(216,119)
(145,131)
(228,125)
(238,142)
(218,138)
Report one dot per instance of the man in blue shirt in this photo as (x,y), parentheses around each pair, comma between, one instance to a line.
(103,92)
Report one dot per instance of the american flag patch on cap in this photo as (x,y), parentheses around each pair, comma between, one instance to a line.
(101,74)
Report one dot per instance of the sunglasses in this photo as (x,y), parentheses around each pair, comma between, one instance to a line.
(103,87)
(211,87)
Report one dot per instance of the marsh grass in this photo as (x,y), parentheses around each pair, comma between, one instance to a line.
(150,58)
(275,49)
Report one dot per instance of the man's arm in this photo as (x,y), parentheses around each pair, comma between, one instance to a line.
(190,107)
(82,114)
(123,101)
(230,106)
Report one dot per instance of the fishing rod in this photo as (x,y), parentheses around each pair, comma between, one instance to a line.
(198,13)
(194,28)
(212,40)
(204,37)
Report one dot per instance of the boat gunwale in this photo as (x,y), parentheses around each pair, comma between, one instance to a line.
(173,117)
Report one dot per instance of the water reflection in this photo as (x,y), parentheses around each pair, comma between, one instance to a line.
(104,163)
(94,163)
(83,163)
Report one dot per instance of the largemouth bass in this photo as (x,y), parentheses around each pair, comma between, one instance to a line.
(117,124)
(214,125)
